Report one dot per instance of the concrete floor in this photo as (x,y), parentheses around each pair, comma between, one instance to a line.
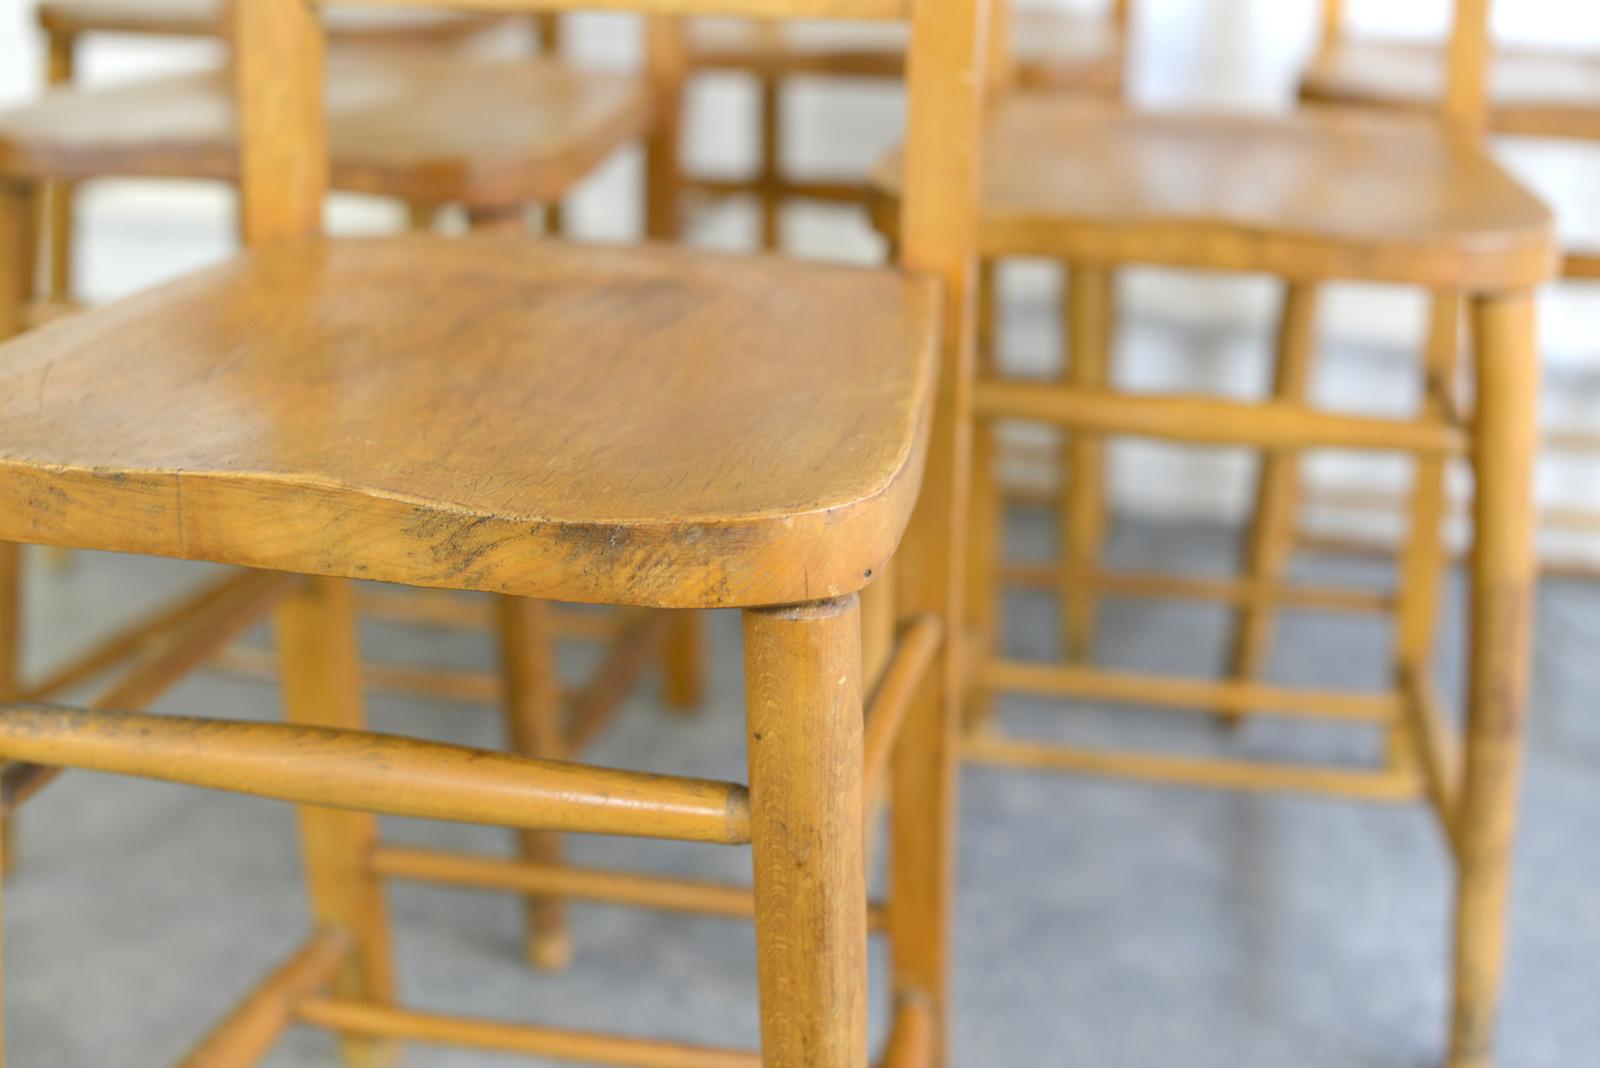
(1101,924)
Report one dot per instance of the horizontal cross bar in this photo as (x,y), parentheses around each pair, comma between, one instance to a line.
(882,10)
(886,712)
(377,773)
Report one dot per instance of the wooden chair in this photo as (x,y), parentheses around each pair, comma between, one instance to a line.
(633,426)
(423,125)
(1055,50)
(1533,92)
(1312,198)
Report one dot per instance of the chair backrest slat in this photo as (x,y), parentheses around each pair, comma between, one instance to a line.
(1466,97)
(884,10)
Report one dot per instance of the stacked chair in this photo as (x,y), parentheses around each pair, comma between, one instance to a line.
(426,124)
(545,422)
(1314,198)
(1532,92)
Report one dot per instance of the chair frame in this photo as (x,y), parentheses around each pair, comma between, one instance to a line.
(815,755)
(1470,782)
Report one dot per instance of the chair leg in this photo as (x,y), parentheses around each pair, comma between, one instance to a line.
(422,218)
(803,692)
(58,220)
(10,669)
(322,687)
(1503,574)
(5,845)
(1089,315)
(1423,556)
(770,177)
(534,723)
(1270,541)
(685,661)
(986,544)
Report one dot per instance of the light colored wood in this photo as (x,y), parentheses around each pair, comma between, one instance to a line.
(535,723)
(666,65)
(684,659)
(1582,264)
(437,684)
(252,1029)
(1164,192)
(746,497)
(205,18)
(880,625)
(1534,92)
(60,50)
(169,657)
(1241,592)
(587,884)
(1090,315)
(804,715)
(1270,540)
(616,677)
(893,697)
(321,687)
(1212,420)
(415,125)
(1438,750)
(378,773)
(1212,773)
(10,664)
(441,609)
(358,1018)
(1187,694)
(761,9)
(911,1036)
(1502,569)
(6,849)
(937,234)
(986,528)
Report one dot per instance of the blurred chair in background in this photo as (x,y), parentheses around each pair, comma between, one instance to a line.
(1532,92)
(1311,198)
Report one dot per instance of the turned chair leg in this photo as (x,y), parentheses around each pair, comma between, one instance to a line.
(770,178)
(1089,315)
(685,661)
(1503,570)
(804,715)
(321,669)
(533,711)
(1270,541)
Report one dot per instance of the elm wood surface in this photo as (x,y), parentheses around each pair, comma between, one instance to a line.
(633,426)
(424,127)
(1541,92)
(1313,196)
(207,18)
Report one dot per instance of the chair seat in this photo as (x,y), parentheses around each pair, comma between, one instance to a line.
(649,425)
(1541,92)
(1053,48)
(1321,194)
(424,127)
(205,18)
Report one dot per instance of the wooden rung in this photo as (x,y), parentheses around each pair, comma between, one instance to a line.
(438,684)
(380,1021)
(1439,747)
(886,712)
(1267,424)
(172,655)
(1571,439)
(1581,265)
(377,773)
(253,1028)
(870,10)
(438,608)
(1187,695)
(1195,771)
(828,190)
(911,1034)
(137,636)
(586,884)
(634,649)
(1234,591)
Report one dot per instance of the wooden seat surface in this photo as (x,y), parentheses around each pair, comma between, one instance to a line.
(205,18)
(1541,92)
(1317,195)
(1053,48)
(403,123)
(641,425)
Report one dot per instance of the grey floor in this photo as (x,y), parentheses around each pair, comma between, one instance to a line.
(1101,924)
